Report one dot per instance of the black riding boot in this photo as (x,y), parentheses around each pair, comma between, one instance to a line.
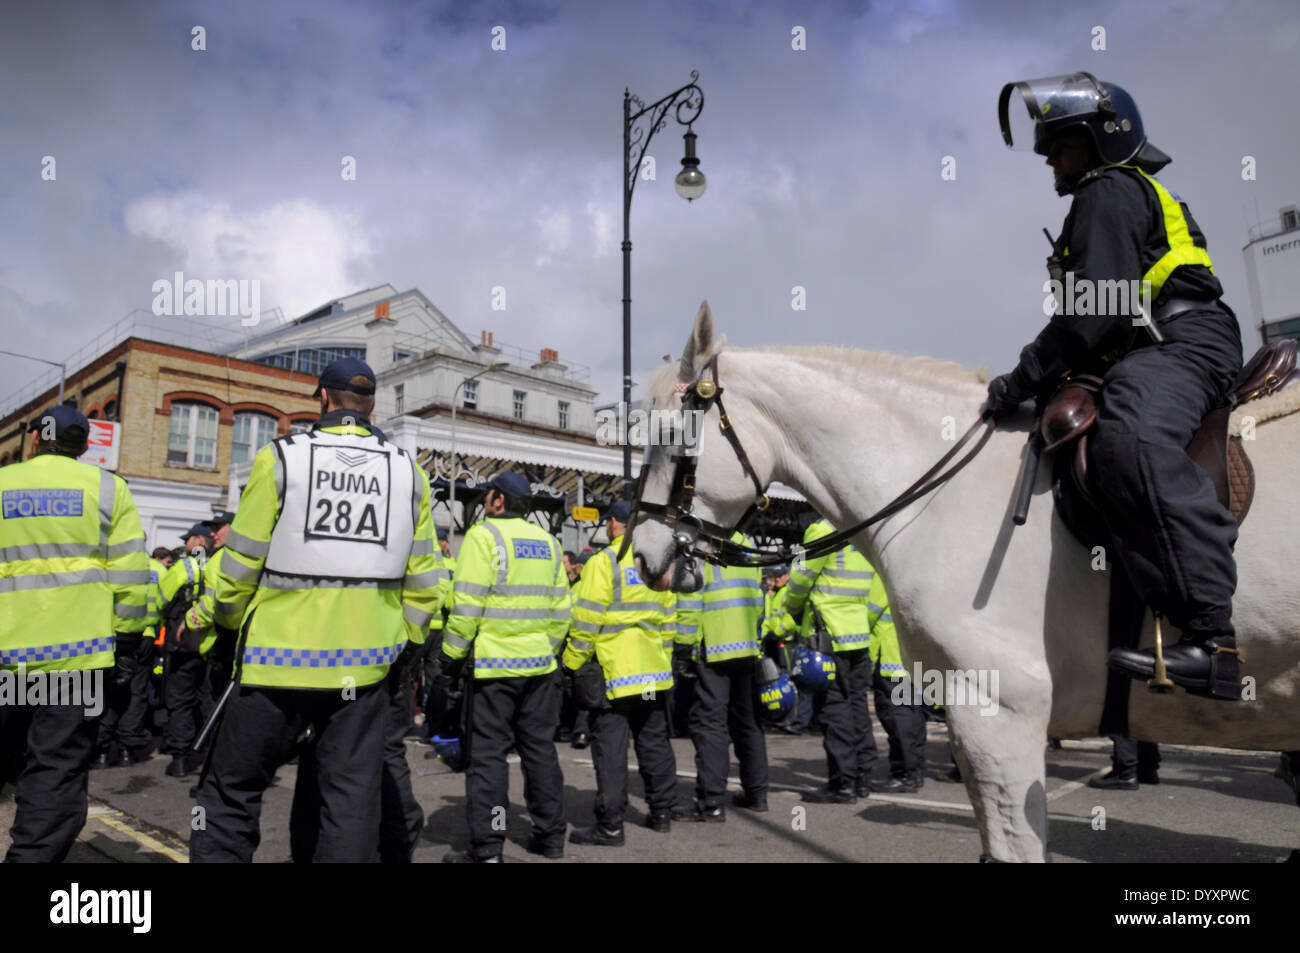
(1205,661)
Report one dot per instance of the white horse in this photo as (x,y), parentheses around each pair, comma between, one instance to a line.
(851,429)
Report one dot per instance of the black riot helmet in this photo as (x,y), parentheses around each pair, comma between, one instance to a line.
(1058,103)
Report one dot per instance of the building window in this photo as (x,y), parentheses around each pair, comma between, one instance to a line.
(399,393)
(309,360)
(564,415)
(300,426)
(110,410)
(192,438)
(252,432)
(520,398)
(471,395)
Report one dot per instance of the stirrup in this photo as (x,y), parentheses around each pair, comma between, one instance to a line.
(1217,649)
(1160,683)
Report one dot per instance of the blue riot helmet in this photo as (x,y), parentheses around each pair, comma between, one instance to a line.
(812,671)
(450,752)
(777,697)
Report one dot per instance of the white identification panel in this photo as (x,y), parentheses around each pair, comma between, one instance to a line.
(350,489)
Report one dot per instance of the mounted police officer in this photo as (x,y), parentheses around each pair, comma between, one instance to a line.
(329,576)
(1174,538)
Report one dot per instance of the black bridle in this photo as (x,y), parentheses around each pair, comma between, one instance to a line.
(689,529)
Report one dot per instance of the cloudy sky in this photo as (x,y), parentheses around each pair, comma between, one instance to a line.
(478,168)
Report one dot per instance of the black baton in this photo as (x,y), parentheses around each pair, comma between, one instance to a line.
(1028,472)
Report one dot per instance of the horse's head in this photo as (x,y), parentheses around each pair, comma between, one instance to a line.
(694,487)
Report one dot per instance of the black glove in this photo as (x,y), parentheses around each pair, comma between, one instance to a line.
(451,667)
(1006,393)
(683,660)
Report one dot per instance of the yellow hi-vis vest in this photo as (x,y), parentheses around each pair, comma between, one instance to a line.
(627,624)
(884,640)
(836,585)
(200,616)
(723,617)
(153,604)
(327,584)
(73,567)
(1179,246)
(510,599)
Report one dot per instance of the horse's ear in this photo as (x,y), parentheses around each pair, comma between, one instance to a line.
(699,344)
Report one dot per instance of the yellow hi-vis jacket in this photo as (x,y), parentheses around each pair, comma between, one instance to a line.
(723,617)
(185,578)
(509,600)
(305,630)
(627,624)
(201,616)
(884,640)
(73,567)
(834,587)
(153,603)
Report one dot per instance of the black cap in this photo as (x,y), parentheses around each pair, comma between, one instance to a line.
(198,529)
(442,535)
(338,375)
(223,518)
(620,511)
(66,421)
(510,483)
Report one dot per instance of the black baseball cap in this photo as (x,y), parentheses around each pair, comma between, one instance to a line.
(510,483)
(620,511)
(221,519)
(198,529)
(338,375)
(66,420)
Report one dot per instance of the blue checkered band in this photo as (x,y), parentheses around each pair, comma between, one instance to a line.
(646,678)
(838,640)
(319,658)
(536,662)
(49,653)
(892,668)
(731,647)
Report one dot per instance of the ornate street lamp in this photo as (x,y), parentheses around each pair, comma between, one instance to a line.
(689,184)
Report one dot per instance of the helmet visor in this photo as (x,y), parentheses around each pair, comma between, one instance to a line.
(1031,109)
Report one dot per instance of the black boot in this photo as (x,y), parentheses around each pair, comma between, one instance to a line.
(597,836)
(1208,667)
(1115,781)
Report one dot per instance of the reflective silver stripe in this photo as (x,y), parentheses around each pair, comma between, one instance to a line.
(588,627)
(13,554)
(553,592)
(126,547)
(107,492)
(799,588)
(643,625)
(501,548)
(556,643)
(416,616)
(618,575)
(251,548)
(128,577)
(124,611)
(732,584)
(588,605)
(855,591)
(274,580)
(422,547)
(52,580)
(455,641)
(753,603)
(422,580)
(238,571)
(668,643)
(637,607)
(579,645)
(849,574)
(496,612)
(229,609)
(467,611)
(689,605)
(417,490)
(472,588)
(686,629)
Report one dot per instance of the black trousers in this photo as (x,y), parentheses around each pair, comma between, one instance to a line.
(127,686)
(259,732)
(723,709)
(1131,755)
(846,721)
(1173,536)
(904,722)
(522,711)
(646,720)
(45,750)
(188,696)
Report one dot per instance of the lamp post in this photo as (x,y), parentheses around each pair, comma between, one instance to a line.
(63,370)
(689,184)
(451,501)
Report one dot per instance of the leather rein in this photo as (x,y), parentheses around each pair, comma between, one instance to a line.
(689,529)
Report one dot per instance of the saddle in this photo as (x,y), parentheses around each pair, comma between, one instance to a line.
(1072,411)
